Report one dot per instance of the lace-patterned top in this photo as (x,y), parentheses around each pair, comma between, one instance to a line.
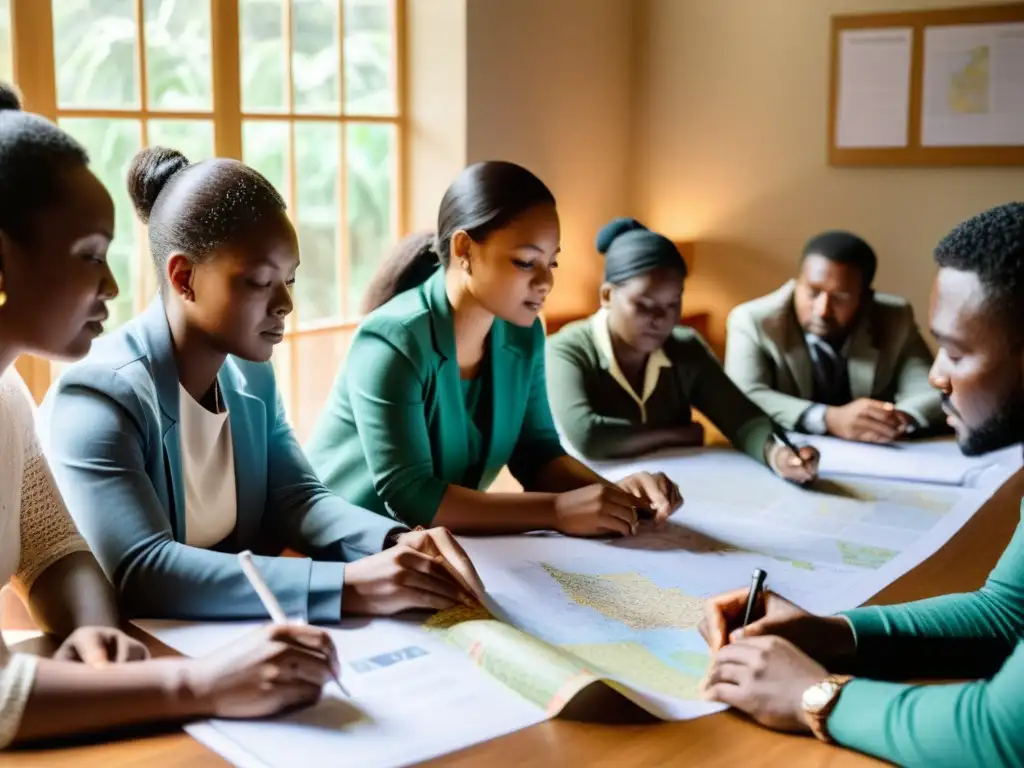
(35,532)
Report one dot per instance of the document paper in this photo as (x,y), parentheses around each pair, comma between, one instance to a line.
(873,102)
(939,462)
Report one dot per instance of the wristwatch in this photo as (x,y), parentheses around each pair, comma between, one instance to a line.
(818,702)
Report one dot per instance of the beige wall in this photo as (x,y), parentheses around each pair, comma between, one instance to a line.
(731,130)
(436,139)
(549,87)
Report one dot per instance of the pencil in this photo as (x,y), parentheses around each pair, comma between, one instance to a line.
(277,614)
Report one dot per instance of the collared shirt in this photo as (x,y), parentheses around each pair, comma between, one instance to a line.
(597,408)
(657,361)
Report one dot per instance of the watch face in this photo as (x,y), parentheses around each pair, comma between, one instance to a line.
(818,696)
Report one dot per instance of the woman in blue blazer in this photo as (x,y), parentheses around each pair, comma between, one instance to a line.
(171,445)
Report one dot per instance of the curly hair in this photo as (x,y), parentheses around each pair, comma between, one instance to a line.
(991,245)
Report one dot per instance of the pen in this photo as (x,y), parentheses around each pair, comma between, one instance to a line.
(273,607)
(780,437)
(756,587)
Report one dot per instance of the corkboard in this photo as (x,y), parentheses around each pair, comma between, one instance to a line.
(914,153)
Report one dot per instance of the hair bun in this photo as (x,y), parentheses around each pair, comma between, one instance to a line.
(613,229)
(10,100)
(149,173)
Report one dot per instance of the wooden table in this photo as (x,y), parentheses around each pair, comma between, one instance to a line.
(725,739)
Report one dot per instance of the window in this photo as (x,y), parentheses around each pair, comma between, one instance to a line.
(122,83)
(306,91)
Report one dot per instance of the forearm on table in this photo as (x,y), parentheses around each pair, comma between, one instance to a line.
(176,581)
(602,438)
(978,723)
(565,474)
(951,636)
(68,699)
(785,410)
(463,510)
(73,593)
(647,440)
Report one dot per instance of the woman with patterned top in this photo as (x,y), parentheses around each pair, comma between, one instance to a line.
(56,221)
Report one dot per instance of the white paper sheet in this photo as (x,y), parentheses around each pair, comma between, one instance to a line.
(828,548)
(873,103)
(413,698)
(938,461)
(973,86)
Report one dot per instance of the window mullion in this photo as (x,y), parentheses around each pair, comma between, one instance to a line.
(227,78)
(400,20)
(288,27)
(35,74)
(342,248)
(32,44)
(143,270)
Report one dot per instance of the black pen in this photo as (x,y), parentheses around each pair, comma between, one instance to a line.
(782,439)
(756,587)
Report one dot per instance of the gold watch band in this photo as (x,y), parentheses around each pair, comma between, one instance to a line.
(817,718)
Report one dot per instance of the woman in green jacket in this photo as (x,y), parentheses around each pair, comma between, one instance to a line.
(622,382)
(444,383)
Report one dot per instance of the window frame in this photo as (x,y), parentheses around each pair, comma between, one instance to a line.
(34,70)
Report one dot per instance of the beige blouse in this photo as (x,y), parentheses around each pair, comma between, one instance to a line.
(35,532)
(208,464)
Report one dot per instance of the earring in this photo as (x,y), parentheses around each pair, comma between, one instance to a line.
(465,264)
(3,293)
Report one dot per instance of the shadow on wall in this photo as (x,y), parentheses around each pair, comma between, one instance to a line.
(731,272)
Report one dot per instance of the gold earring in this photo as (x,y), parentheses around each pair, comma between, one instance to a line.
(3,293)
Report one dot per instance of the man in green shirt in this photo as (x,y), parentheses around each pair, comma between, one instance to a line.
(777,669)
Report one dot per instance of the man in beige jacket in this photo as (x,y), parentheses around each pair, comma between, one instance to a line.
(825,354)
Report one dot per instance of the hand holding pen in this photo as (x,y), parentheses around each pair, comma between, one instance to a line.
(315,639)
(793,463)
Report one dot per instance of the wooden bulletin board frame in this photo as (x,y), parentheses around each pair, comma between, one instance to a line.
(914,154)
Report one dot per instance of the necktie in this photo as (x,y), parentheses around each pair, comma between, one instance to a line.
(831,379)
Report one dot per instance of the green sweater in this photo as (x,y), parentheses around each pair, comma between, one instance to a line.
(595,411)
(975,635)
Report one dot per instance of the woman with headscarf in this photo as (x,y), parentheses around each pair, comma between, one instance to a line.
(623,382)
